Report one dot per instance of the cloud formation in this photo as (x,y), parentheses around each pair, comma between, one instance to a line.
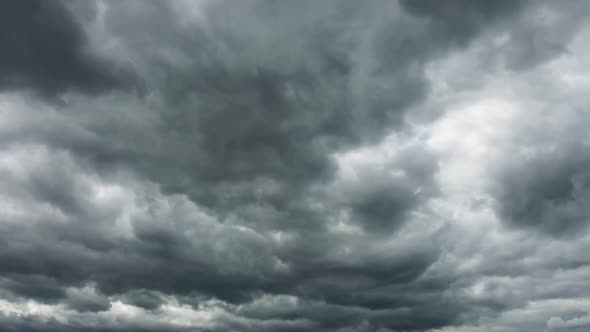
(44,49)
(293,166)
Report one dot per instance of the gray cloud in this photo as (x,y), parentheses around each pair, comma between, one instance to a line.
(547,192)
(573,324)
(45,50)
(87,300)
(229,196)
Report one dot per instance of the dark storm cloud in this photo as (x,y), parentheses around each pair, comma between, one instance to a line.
(543,34)
(177,249)
(144,299)
(457,21)
(221,183)
(549,193)
(44,48)
(87,301)
(38,287)
(547,186)
(268,90)
(380,201)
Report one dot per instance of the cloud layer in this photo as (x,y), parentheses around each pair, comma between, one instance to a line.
(294,166)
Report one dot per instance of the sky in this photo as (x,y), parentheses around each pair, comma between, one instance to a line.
(285,166)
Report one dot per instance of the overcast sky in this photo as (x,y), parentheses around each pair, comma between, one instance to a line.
(314,166)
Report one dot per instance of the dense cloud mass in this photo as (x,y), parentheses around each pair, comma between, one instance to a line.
(334,166)
(44,49)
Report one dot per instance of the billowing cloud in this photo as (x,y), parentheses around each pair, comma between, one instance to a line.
(293,166)
(45,49)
